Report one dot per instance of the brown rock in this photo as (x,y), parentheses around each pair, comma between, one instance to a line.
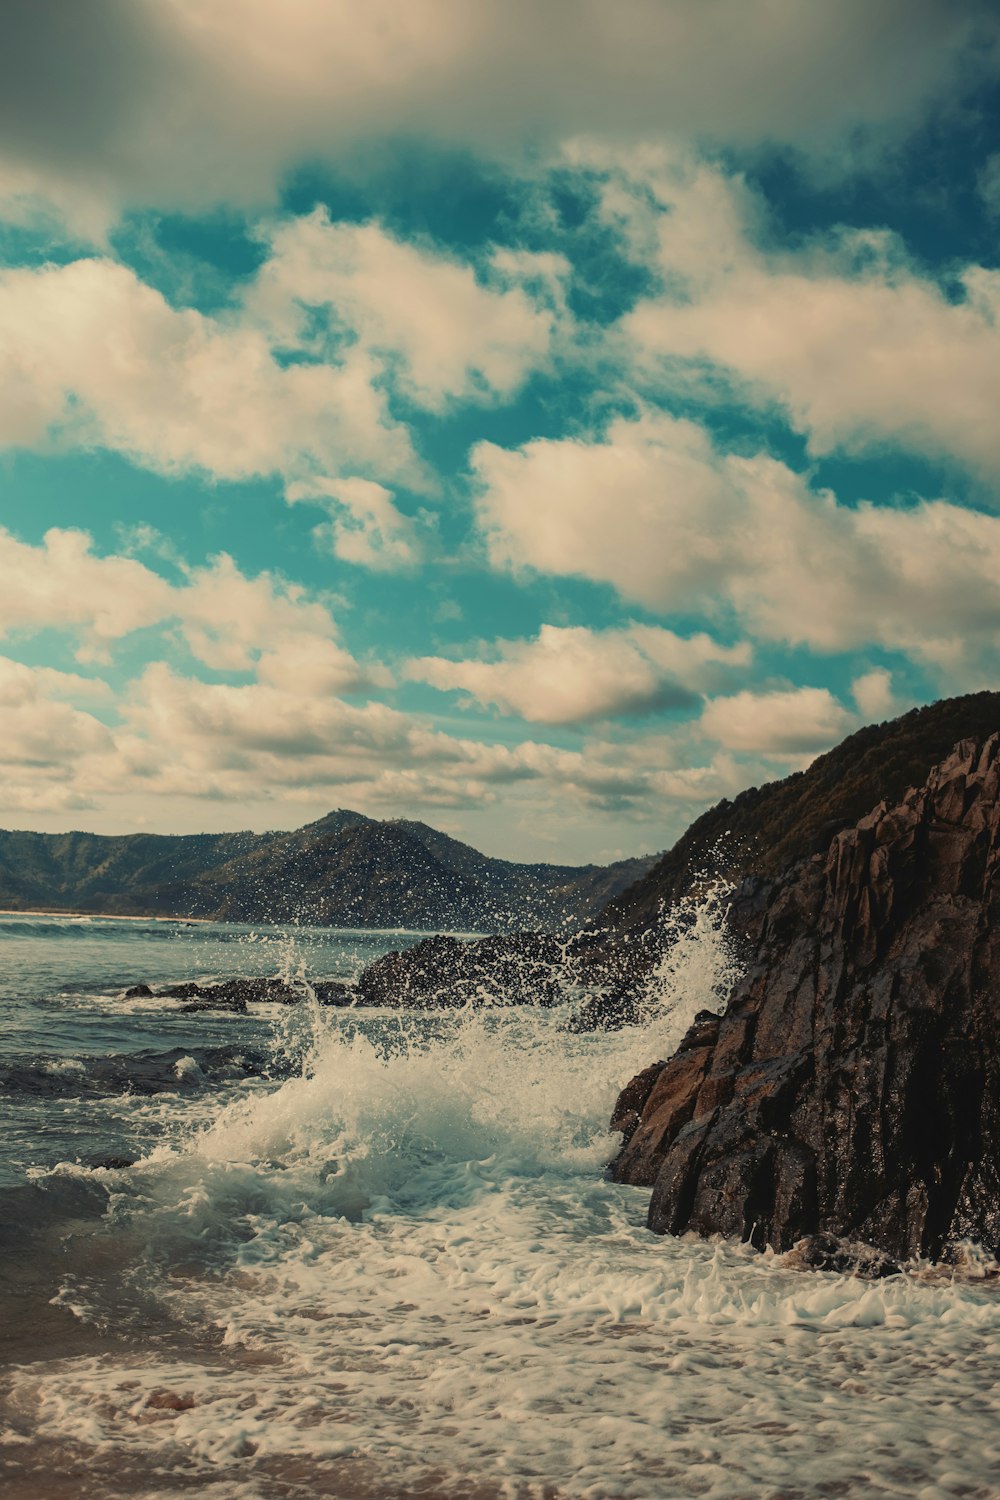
(852,1087)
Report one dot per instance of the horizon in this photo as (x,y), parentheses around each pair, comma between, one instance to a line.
(536,430)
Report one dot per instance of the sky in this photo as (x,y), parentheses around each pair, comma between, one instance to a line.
(538,419)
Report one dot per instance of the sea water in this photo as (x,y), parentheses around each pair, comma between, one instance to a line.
(373,1254)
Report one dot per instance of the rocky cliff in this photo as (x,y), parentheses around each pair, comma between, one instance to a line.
(852,1085)
(765,828)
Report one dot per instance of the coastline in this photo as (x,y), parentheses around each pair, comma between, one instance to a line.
(107,916)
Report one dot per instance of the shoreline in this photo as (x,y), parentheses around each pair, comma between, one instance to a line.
(106,916)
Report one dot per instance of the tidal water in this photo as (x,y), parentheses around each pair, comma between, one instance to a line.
(321,1252)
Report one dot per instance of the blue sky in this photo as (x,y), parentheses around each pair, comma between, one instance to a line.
(538,420)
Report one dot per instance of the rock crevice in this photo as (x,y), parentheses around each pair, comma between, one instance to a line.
(852,1086)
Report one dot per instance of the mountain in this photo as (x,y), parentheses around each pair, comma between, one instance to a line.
(344,870)
(768,827)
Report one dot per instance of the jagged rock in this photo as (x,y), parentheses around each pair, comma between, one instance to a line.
(237,994)
(632,1100)
(187,991)
(333,992)
(609,1010)
(852,1086)
(512,969)
(767,828)
(214,1003)
(827,1252)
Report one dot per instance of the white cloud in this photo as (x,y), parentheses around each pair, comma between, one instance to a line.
(787,722)
(365,525)
(185,738)
(655,510)
(92,352)
(855,344)
(225,618)
(43,738)
(445,333)
(183,753)
(569,675)
(873,693)
(649,509)
(63,585)
(313,667)
(93,356)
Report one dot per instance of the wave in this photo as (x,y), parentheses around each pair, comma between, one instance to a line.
(137,1073)
(404,1259)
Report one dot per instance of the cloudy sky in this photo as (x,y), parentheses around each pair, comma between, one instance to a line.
(538,417)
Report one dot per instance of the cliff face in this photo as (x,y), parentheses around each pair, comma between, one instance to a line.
(852,1085)
(766,828)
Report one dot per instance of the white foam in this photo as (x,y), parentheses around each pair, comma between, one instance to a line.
(415,1264)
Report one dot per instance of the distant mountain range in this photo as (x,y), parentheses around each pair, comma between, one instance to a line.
(345,870)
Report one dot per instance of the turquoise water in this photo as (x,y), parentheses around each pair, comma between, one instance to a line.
(319,1252)
(62,1006)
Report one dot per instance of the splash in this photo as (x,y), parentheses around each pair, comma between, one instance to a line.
(382,1107)
(404,1261)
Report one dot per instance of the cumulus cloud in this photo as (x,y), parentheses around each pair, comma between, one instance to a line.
(570,675)
(314,667)
(92,352)
(166,99)
(93,356)
(45,740)
(655,509)
(226,619)
(289,744)
(874,695)
(448,334)
(791,721)
(181,739)
(855,345)
(366,526)
(62,584)
(226,742)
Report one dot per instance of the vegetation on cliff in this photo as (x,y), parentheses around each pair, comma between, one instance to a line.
(767,828)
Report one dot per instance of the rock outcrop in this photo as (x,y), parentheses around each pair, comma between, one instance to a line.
(852,1086)
(236,994)
(442,972)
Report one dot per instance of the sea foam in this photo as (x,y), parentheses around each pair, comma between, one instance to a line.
(402,1271)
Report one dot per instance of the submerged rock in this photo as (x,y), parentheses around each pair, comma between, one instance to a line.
(141,1073)
(827,1252)
(236,994)
(852,1086)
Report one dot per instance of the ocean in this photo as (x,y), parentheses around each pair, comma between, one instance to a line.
(322,1252)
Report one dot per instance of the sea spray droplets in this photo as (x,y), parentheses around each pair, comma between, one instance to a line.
(392,1108)
(410,1254)
(698,963)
